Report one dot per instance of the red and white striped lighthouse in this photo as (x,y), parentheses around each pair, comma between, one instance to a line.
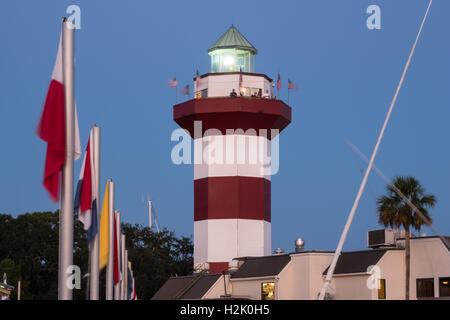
(233,120)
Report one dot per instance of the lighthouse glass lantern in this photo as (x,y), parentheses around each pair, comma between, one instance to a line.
(232,52)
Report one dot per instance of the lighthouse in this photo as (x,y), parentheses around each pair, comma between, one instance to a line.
(234,120)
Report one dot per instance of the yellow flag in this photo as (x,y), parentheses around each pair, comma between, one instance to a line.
(104,230)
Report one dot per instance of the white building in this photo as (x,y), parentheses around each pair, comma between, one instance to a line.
(300,275)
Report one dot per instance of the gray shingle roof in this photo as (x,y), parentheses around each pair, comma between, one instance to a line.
(357,261)
(176,285)
(262,266)
(232,38)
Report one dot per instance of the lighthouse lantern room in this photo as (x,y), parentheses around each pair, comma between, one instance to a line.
(232,68)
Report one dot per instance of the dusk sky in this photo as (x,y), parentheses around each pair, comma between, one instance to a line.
(126,51)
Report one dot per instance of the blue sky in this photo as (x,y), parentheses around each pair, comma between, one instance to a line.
(347,75)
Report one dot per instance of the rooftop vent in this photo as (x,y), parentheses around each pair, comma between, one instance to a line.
(278,251)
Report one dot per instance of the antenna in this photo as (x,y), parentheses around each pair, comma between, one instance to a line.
(150,214)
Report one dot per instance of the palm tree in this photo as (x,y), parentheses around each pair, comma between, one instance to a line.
(394,212)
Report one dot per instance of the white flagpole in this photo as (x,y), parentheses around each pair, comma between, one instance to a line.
(94,272)
(18,290)
(109,267)
(66,212)
(125,277)
(117,231)
(122,282)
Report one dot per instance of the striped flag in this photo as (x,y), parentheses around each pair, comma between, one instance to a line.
(85,199)
(185,90)
(173,83)
(278,82)
(52,129)
(291,85)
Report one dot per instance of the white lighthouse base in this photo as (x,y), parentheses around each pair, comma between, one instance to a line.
(222,240)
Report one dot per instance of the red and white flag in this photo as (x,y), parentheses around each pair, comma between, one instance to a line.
(279,82)
(52,129)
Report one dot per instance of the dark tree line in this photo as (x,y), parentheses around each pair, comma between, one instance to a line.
(29,252)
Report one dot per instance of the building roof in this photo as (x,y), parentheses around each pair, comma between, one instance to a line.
(262,266)
(445,239)
(232,38)
(186,287)
(357,261)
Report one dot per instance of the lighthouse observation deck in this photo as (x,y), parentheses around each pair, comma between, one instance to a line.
(221,84)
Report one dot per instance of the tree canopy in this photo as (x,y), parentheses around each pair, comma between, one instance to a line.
(29,252)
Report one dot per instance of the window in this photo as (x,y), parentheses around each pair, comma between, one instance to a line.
(381,288)
(204,93)
(268,291)
(249,92)
(444,287)
(425,288)
(215,63)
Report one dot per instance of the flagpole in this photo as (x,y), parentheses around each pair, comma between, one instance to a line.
(117,231)
(122,256)
(125,277)
(95,245)
(288,95)
(88,274)
(109,267)
(66,212)
(278,89)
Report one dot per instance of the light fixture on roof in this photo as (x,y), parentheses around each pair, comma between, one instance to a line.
(299,245)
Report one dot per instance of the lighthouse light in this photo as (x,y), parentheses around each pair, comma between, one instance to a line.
(228,60)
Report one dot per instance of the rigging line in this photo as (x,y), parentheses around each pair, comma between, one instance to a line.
(369,167)
(361,171)
(155,218)
(389,182)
